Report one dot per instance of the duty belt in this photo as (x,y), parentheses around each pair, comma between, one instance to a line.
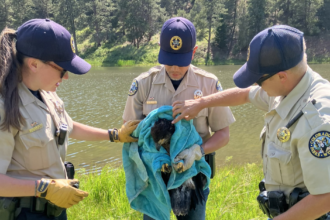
(40,205)
(273,203)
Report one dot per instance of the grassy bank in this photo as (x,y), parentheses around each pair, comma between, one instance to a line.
(233,193)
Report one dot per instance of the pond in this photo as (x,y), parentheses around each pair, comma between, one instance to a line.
(98,99)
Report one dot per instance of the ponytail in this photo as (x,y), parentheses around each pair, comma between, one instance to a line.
(10,76)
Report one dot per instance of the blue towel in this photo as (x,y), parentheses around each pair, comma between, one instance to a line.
(145,188)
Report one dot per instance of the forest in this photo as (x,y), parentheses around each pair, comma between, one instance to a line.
(228,25)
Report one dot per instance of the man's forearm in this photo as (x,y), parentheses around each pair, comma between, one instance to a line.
(219,139)
(229,97)
(310,208)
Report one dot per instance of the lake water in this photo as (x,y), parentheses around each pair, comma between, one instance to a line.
(98,99)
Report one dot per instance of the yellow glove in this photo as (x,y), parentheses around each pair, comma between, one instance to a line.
(60,192)
(124,133)
(188,156)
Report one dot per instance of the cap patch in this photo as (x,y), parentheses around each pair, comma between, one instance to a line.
(134,88)
(72,44)
(219,88)
(248,54)
(319,144)
(176,43)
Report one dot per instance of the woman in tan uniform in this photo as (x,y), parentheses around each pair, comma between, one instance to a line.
(34,127)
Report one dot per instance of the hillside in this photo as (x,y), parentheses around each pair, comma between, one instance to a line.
(123,53)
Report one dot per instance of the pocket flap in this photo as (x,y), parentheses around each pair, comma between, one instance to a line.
(277,153)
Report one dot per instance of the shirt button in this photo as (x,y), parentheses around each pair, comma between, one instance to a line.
(272,153)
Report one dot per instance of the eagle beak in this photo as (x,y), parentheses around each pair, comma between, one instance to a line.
(157,146)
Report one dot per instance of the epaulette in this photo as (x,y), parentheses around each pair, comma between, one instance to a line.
(151,71)
(203,73)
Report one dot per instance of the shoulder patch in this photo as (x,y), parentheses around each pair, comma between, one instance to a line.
(134,88)
(319,144)
(219,87)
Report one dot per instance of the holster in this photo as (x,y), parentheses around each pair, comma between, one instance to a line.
(271,203)
(210,159)
(69,167)
(8,206)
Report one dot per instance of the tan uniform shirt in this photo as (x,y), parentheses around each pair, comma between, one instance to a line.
(155,89)
(299,162)
(33,153)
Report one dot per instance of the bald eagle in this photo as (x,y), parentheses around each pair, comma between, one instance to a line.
(190,193)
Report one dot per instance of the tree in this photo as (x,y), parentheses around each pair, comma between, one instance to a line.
(140,23)
(67,13)
(5,13)
(256,16)
(205,16)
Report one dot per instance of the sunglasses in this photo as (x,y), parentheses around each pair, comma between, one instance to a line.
(263,78)
(63,71)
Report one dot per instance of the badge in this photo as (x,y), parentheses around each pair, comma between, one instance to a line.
(283,134)
(134,88)
(72,45)
(198,94)
(176,43)
(319,144)
(151,102)
(248,54)
(219,88)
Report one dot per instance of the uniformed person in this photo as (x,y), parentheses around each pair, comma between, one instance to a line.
(295,138)
(34,124)
(175,80)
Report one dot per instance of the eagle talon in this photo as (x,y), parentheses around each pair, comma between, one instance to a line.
(179,167)
(166,168)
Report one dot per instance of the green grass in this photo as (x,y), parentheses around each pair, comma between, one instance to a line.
(233,195)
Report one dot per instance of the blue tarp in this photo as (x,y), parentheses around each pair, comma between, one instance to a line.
(145,188)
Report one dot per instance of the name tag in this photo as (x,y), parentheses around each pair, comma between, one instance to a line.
(38,127)
(151,102)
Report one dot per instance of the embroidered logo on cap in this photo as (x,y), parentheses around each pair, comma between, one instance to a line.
(319,144)
(72,44)
(248,54)
(176,43)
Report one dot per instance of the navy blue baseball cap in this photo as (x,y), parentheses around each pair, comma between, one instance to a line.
(273,50)
(46,40)
(177,42)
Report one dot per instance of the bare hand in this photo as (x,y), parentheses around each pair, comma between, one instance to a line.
(188,109)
